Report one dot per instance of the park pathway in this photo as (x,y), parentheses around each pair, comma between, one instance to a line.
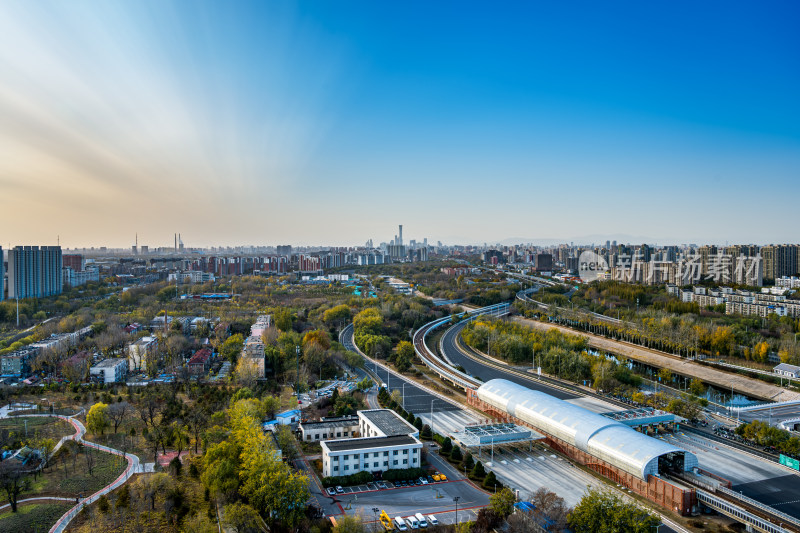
(134,467)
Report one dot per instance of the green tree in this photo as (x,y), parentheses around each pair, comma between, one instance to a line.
(478,471)
(426,432)
(232,347)
(502,502)
(405,349)
(447,446)
(103,505)
(696,387)
(602,510)
(284,319)
(337,316)
(97,420)
(490,481)
(242,518)
(123,497)
(455,454)
(469,462)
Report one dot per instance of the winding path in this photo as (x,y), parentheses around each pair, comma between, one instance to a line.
(134,466)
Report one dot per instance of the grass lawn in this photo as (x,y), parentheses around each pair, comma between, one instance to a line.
(44,427)
(33,518)
(56,480)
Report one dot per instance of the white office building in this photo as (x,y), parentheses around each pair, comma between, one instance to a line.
(387,442)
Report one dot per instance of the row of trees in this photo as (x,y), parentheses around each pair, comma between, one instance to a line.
(765,435)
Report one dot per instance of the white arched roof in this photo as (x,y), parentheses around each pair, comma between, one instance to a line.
(595,434)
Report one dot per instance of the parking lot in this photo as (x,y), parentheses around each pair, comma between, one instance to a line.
(436,498)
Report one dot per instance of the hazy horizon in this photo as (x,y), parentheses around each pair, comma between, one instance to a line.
(329,124)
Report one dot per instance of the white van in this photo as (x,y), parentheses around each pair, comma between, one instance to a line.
(400,524)
(432,520)
(412,522)
(421,520)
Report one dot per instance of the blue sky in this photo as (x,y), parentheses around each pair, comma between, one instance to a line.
(332,122)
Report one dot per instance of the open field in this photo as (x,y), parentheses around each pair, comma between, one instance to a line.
(33,518)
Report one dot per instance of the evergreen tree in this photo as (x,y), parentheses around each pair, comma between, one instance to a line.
(426,432)
(491,481)
(469,462)
(455,454)
(447,446)
(478,471)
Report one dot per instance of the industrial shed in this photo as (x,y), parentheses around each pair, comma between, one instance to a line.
(607,440)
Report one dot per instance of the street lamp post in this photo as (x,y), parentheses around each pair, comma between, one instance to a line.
(432,416)
(297,386)
(375,512)
(456,502)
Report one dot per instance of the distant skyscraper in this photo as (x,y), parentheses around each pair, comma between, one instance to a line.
(2,276)
(34,272)
(400,236)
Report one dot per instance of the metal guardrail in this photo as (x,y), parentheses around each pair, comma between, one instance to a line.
(444,369)
(766,508)
(734,511)
(523,297)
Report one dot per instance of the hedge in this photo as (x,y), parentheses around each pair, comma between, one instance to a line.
(353,479)
(404,473)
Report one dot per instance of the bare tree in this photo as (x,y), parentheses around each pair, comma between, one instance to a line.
(90,459)
(197,419)
(13,480)
(118,412)
(551,506)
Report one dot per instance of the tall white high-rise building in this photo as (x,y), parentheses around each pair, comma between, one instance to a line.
(2,276)
(34,272)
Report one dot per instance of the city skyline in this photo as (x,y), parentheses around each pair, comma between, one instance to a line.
(327,125)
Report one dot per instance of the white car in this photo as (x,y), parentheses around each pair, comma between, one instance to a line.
(432,520)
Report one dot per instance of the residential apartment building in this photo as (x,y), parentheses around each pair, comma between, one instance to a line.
(139,351)
(110,370)
(34,272)
(788,282)
(17,363)
(76,278)
(780,260)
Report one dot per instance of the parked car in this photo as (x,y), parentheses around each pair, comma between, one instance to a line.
(331,491)
(430,479)
(339,489)
(432,520)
